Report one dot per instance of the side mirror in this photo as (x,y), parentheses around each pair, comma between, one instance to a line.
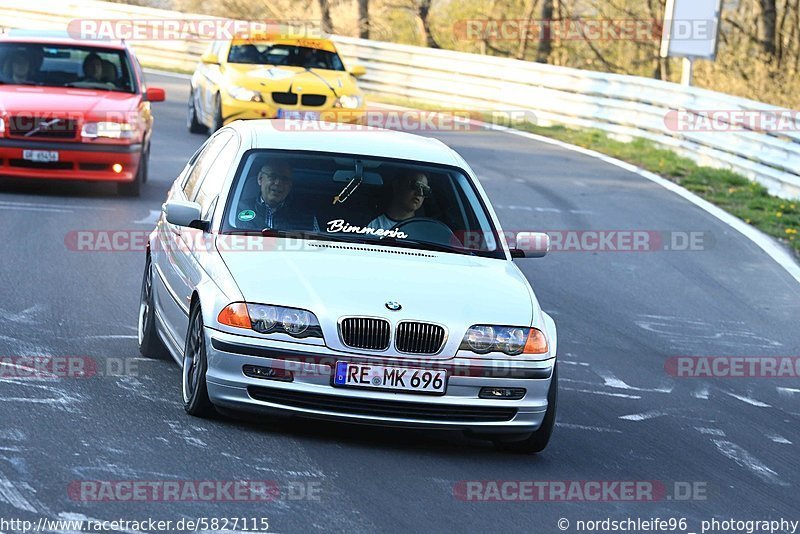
(358,70)
(155,94)
(210,58)
(531,245)
(184,213)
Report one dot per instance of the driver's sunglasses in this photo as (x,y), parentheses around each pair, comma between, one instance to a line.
(275,177)
(420,189)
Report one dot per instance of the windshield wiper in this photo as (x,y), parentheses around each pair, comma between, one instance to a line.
(427,245)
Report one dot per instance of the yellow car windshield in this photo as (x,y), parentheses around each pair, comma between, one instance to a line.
(288,55)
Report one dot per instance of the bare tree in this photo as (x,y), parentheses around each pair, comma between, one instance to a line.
(423,13)
(545,44)
(325,15)
(363,19)
(766,27)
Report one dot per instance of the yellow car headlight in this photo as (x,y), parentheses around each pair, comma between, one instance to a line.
(240,93)
(349,101)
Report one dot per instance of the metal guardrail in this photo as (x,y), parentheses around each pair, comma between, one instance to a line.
(624,106)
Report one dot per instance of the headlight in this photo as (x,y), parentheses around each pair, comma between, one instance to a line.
(349,101)
(271,319)
(240,93)
(511,340)
(111,130)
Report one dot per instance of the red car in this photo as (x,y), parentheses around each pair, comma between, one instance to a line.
(74,110)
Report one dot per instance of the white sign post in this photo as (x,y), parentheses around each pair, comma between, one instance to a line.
(691,30)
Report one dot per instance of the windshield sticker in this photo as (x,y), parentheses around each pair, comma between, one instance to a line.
(339,225)
(247,215)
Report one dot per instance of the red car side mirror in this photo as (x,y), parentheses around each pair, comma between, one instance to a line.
(155,94)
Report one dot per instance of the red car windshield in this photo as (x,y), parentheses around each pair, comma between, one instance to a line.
(60,65)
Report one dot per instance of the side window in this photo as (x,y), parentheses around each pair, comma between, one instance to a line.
(217,172)
(204,161)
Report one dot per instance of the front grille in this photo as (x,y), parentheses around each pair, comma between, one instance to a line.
(365,333)
(419,338)
(42,128)
(288,99)
(381,408)
(313,100)
(53,165)
(94,166)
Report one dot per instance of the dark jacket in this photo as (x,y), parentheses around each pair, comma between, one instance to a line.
(288,217)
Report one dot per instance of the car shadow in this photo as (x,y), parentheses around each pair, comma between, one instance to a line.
(450,443)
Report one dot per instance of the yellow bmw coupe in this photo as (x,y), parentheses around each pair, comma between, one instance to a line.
(292,78)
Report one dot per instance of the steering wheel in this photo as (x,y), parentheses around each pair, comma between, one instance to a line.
(427,229)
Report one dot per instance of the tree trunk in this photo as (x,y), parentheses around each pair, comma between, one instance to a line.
(545,39)
(766,26)
(363,19)
(325,15)
(423,11)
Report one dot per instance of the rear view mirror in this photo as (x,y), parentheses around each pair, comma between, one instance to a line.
(531,245)
(210,58)
(358,70)
(369,178)
(184,213)
(155,94)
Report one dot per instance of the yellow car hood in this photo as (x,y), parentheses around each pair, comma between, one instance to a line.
(279,78)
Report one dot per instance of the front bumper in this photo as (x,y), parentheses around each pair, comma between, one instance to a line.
(233,109)
(310,393)
(76,161)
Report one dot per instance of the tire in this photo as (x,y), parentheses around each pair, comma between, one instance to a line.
(195,365)
(192,123)
(134,188)
(150,345)
(146,161)
(218,121)
(537,441)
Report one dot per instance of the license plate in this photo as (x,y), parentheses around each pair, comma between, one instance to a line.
(370,376)
(45,156)
(298,115)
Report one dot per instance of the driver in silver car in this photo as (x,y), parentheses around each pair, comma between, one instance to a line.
(409,191)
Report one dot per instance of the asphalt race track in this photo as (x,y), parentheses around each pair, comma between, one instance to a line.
(622,416)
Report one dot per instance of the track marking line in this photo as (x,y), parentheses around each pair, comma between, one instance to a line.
(590,428)
(744,459)
(652,414)
(710,431)
(748,400)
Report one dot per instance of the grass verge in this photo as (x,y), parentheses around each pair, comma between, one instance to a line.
(732,192)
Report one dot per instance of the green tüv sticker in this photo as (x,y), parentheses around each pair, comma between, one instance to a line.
(247,215)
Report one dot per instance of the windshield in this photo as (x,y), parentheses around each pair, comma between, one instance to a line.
(361,200)
(284,55)
(59,65)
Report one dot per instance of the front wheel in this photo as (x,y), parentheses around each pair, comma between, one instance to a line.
(195,366)
(537,441)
